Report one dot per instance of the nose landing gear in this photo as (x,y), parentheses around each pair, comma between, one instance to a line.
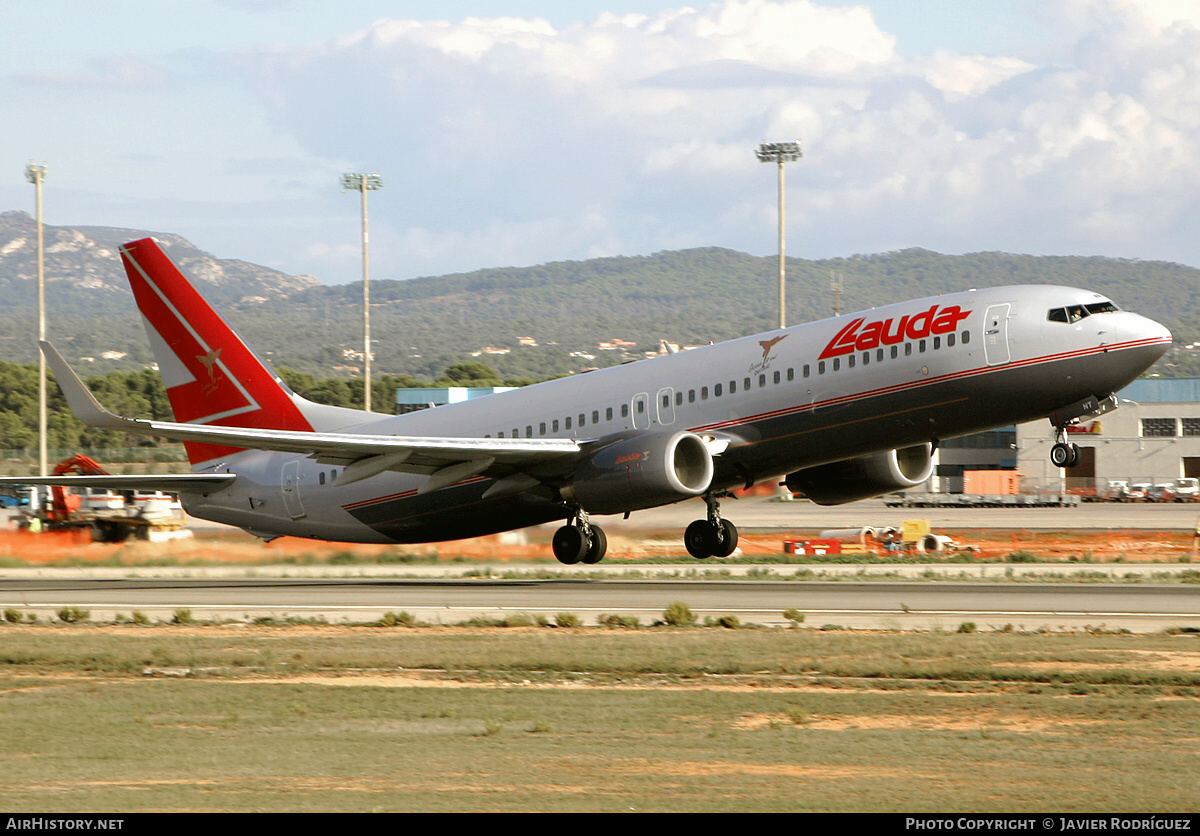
(1063,454)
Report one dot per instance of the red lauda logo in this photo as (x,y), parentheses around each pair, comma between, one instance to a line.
(858,337)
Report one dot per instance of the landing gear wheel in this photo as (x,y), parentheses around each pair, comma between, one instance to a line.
(1064,455)
(700,539)
(727,539)
(569,544)
(597,545)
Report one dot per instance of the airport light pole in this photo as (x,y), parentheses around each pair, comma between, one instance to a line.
(780,153)
(36,174)
(364,183)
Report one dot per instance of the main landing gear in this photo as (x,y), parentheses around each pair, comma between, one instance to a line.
(579,541)
(712,536)
(1063,454)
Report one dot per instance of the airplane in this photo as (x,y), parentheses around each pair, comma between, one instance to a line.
(840,409)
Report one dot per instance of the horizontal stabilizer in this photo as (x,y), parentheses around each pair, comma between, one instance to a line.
(202,483)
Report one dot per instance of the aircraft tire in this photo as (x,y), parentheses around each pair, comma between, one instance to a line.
(727,541)
(569,545)
(597,546)
(1062,455)
(699,539)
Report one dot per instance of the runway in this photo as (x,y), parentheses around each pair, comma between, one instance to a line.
(859,605)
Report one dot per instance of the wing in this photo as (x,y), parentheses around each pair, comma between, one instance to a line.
(444,460)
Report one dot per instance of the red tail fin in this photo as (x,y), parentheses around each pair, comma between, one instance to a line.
(211,375)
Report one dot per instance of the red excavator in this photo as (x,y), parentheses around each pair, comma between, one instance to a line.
(106,514)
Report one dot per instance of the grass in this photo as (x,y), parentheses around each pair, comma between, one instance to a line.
(521,719)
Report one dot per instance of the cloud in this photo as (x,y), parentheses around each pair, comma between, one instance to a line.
(506,140)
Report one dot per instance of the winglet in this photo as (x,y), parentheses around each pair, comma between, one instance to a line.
(81,400)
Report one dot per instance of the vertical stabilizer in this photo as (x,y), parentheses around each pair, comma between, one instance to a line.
(211,375)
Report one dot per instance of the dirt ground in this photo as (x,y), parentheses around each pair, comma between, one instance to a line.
(1133,546)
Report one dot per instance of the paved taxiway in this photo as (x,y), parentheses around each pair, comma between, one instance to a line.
(890,605)
(440,597)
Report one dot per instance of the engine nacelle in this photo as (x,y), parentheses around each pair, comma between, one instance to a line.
(642,472)
(865,476)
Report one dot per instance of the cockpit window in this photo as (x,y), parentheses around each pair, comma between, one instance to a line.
(1074,313)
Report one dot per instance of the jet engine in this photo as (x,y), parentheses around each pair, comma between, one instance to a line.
(642,472)
(865,476)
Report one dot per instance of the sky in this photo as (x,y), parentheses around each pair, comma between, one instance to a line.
(519,132)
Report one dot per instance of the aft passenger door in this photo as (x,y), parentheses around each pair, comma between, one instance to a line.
(995,335)
(290,486)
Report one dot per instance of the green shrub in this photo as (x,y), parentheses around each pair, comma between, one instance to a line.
(182,616)
(967,627)
(794,616)
(679,614)
(613,620)
(12,615)
(729,622)
(400,619)
(70,615)
(139,617)
(566,619)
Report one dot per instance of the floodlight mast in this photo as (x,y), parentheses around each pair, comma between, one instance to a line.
(35,174)
(780,153)
(363,183)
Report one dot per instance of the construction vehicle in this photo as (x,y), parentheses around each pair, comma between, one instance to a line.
(109,516)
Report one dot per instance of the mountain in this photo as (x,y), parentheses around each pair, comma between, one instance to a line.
(84,273)
(420,326)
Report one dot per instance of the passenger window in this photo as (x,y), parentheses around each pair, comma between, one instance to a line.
(679,398)
(515,434)
(837,364)
(866,358)
(850,361)
(879,354)
(542,428)
(732,386)
(500,434)
(937,343)
(762,381)
(908,349)
(806,370)
(717,390)
(746,385)
(703,393)
(608,414)
(966,337)
(895,352)
(776,378)
(821,367)
(624,410)
(321,477)
(567,423)
(582,419)
(791,374)
(691,395)
(949,341)
(529,430)
(921,346)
